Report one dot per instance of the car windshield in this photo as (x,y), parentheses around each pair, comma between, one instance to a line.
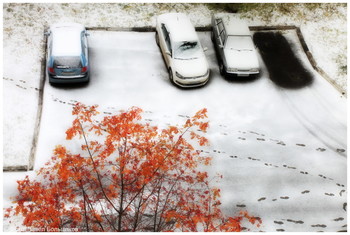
(67,62)
(187,50)
(241,43)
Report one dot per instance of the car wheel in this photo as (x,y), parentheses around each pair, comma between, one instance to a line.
(222,68)
(171,76)
(157,38)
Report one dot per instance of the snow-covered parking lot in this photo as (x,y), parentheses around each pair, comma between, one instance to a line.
(282,152)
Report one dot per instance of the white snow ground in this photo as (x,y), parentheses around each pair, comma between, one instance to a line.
(280,151)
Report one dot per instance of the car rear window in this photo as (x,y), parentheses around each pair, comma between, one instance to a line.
(67,61)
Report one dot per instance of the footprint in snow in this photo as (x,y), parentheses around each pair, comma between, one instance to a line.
(261,199)
(281,143)
(322,176)
(319,226)
(253,159)
(295,221)
(260,139)
(278,222)
(339,219)
(306,191)
(241,138)
(280,230)
(329,194)
(285,198)
(340,150)
(301,145)
(321,149)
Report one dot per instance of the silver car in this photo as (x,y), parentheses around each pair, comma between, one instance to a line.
(234,46)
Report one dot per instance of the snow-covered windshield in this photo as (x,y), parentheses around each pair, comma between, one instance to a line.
(187,50)
(239,43)
(67,62)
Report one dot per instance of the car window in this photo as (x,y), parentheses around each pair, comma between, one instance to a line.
(220,26)
(67,62)
(221,31)
(240,43)
(166,37)
(187,50)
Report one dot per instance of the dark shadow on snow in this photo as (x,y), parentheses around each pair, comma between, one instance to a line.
(69,86)
(284,68)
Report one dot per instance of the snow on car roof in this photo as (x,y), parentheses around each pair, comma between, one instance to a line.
(179,27)
(233,24)
(66,39)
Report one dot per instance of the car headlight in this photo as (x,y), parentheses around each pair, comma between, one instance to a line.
(179,75)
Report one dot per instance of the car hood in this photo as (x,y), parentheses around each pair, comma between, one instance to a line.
(191,67)
(241,59)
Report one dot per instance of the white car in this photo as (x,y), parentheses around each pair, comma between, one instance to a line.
(234,46)
(181,50)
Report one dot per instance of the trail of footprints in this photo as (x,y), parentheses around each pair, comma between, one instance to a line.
(20,84)
(262,138)
(283,166)
(285,197)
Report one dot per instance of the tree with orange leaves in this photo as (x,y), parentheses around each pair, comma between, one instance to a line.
(131,177)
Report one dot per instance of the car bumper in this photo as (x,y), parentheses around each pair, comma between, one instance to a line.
(192,82)
(73,79)
(242,73)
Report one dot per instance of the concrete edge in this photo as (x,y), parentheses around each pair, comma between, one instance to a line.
(314,64)
(30,165)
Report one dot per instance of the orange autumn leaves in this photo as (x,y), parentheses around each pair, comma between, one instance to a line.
(128,176)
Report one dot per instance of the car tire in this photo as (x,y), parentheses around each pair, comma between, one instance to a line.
(171,76)
(157,39)
(222,69)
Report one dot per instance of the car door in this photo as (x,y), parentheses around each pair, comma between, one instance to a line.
(84,44)
(165,44)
